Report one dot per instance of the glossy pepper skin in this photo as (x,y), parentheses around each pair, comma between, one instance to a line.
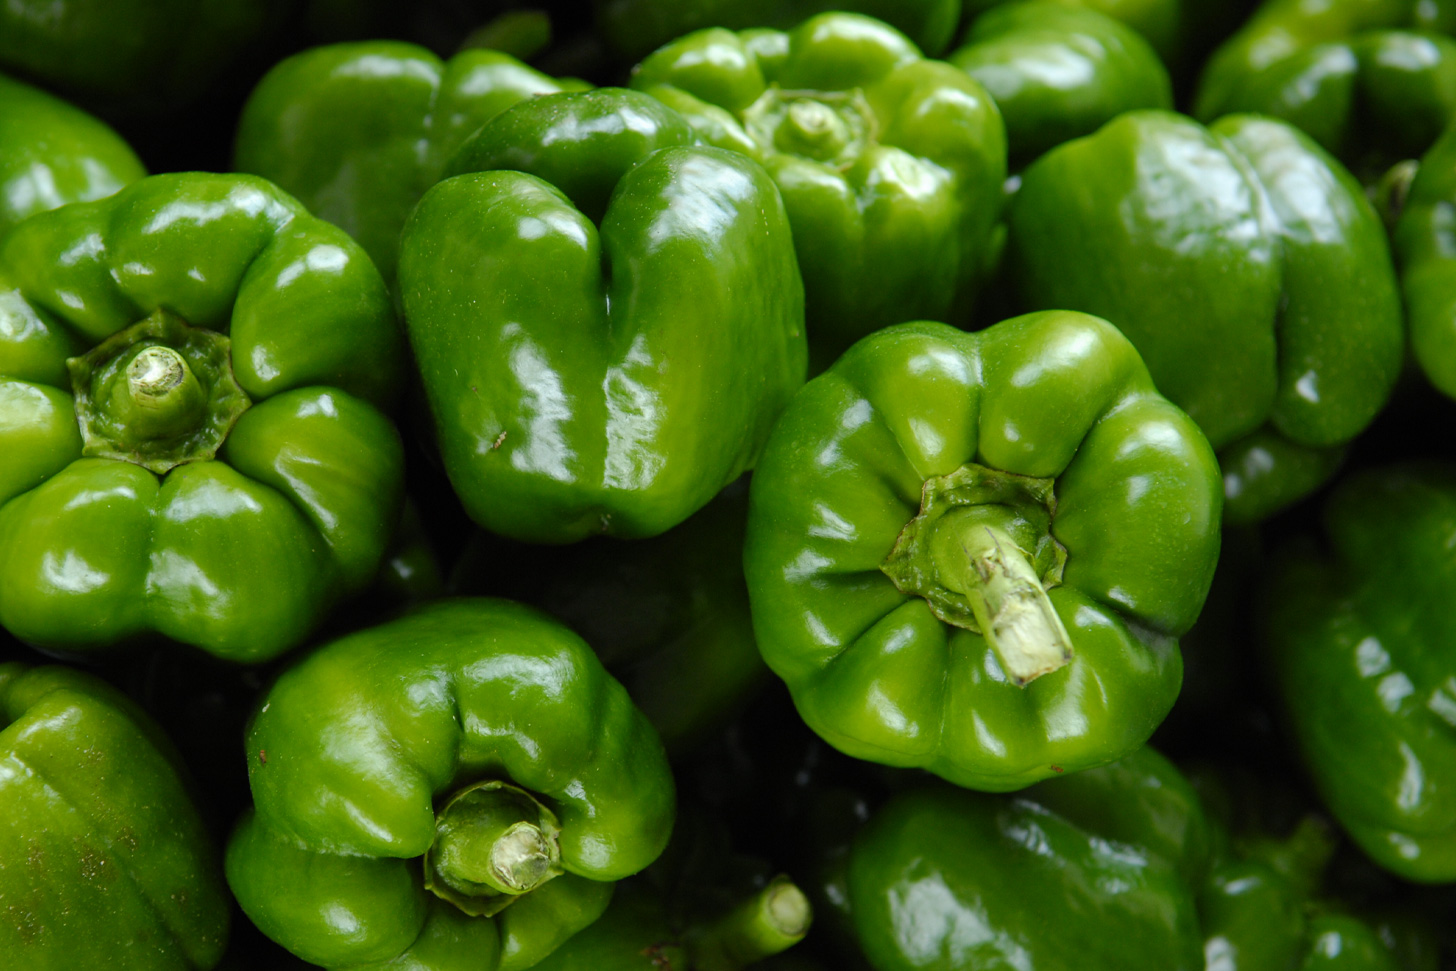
(1248,269)
(1090,871)
(607,317)
(128,56)
(1362,77)
(353,757)
(1170,26)
(107,863)
(1059,72)
(357,132)
(225,471)
(1421,241)
(668,616)
(636,27)
(891,165)
(1361,645)
(1122,532)
(54,154)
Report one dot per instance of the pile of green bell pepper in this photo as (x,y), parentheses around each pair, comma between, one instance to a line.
(632,485)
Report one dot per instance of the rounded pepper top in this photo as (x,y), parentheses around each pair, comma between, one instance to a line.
(972,553)
(891,165)
(193,342)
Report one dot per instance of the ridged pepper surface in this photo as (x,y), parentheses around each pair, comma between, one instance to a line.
(458,788)
(1246,266)
(974,553)
(891,165)
(607,317)
(104,858)
(192,377)
(357,132)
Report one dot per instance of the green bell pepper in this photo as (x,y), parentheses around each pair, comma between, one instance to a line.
(1362,77)
(128,56)
(1264,904)
(1095,870)
(358,132)
(1421,240)
(106,862)
(891,166)
(606,332)
(457,788)
(635,27)
(668,616)
(192,373)
(1364,653)
(1246,266)
(55,154)
(973,553)
(1059,72)
(1174,28)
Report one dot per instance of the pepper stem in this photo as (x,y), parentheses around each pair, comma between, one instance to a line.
(493,842)
(1012,609)
(160,397)
(767,923)
(813,128)
(982,554)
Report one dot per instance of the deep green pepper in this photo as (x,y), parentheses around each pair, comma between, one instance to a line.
(192,373)
(1173,27)
(54,154)
(891,166)
(358,132)
(1246,266)
(457,788)
(1058,72)
(1095,870)
(635,27)
(130,55)
(607,317)
(1364,652)
(1422,241)
(104,860)
(1023,622)
(1265,904)
(1362,77)
(668,616)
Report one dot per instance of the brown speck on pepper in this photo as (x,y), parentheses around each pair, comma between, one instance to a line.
(263,756)
(499,441)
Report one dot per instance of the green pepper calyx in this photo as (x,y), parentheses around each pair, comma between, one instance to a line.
(982,555)
(158,394)
(493,843)
(833,128)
